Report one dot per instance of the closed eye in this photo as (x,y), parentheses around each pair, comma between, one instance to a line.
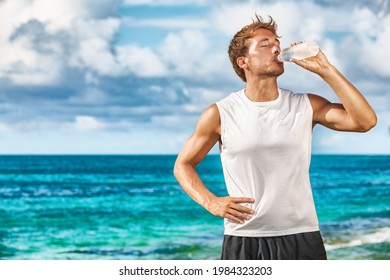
(267,43)
(262,45)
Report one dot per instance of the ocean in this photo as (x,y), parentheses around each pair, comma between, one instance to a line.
(131,207)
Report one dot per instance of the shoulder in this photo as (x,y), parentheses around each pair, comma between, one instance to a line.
(290,95)
(211,112)
(231,99)
(287,93)
(292,98)
(209,120)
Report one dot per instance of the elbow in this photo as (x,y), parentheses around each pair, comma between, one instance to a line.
(373,122)
(176,170)
(180,168)
(369,124)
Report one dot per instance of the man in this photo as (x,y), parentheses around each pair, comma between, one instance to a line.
(264,134)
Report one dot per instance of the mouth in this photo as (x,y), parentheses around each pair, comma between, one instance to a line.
(278,60)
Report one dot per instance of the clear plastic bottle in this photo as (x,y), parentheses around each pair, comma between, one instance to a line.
(299,51)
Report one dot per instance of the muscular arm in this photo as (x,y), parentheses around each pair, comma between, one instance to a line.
(206,134)
(354,114)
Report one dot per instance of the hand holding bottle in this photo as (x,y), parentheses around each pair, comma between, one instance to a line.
(307,55)
(318,64)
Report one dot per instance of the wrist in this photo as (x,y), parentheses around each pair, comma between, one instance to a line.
(208,202)
(328,72)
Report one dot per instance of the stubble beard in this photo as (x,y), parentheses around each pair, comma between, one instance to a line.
(275,72)
(270,72)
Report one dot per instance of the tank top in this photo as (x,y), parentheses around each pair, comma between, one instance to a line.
(265,150)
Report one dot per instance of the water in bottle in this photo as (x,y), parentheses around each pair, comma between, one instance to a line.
(299,51)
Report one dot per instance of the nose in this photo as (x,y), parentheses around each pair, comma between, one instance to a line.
(276,49)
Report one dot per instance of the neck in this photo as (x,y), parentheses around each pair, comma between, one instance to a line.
(262,90)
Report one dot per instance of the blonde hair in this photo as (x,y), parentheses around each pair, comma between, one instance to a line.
(238,45)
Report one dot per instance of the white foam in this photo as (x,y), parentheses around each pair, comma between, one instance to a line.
(381,235)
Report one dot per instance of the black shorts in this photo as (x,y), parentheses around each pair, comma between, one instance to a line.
(301,246)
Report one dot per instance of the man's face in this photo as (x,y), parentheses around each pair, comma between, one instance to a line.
(264,48)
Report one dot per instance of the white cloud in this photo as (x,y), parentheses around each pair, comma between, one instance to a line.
(183,51)
(143,62)
(88,123)
(22,65)
(74,38)
(55,15)
(164,2)
(40,38)
(191,54)
(95,54)
(10,9)
(45,42)
(203,97)
(231,18)
(91,28)
(363,22)
(169,23)
(374,52)
(296,21)
(91,79)
(4,128)
(32,69)
(91,96)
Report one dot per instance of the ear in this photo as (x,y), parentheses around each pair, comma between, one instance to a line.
(242,62)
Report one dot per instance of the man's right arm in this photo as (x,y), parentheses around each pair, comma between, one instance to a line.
(206,134)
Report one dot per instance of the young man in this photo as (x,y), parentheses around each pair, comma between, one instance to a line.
(264,134)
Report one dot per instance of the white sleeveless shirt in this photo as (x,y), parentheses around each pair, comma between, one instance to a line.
(265,152)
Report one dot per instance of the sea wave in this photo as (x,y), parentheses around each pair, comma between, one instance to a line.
(379,236)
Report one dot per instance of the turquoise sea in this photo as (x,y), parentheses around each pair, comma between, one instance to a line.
(131,207)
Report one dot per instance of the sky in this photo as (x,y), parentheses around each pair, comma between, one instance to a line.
(133,76)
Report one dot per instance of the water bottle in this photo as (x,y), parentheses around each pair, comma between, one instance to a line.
(299,51)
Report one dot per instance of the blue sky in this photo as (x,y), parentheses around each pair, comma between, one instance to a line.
(133,76)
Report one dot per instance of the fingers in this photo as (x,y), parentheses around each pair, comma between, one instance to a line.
(231,208)
(317,64)
(234,219)
(301,62)
(239,213)
(296,43)
(242,200)
(240,216)
(242,209)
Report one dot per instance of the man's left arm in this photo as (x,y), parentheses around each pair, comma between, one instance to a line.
(354,114)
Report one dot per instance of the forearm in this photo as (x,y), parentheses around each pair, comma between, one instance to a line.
(357,107)
(224,207)
(191,183)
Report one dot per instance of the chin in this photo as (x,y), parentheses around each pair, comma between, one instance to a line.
(277,73)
